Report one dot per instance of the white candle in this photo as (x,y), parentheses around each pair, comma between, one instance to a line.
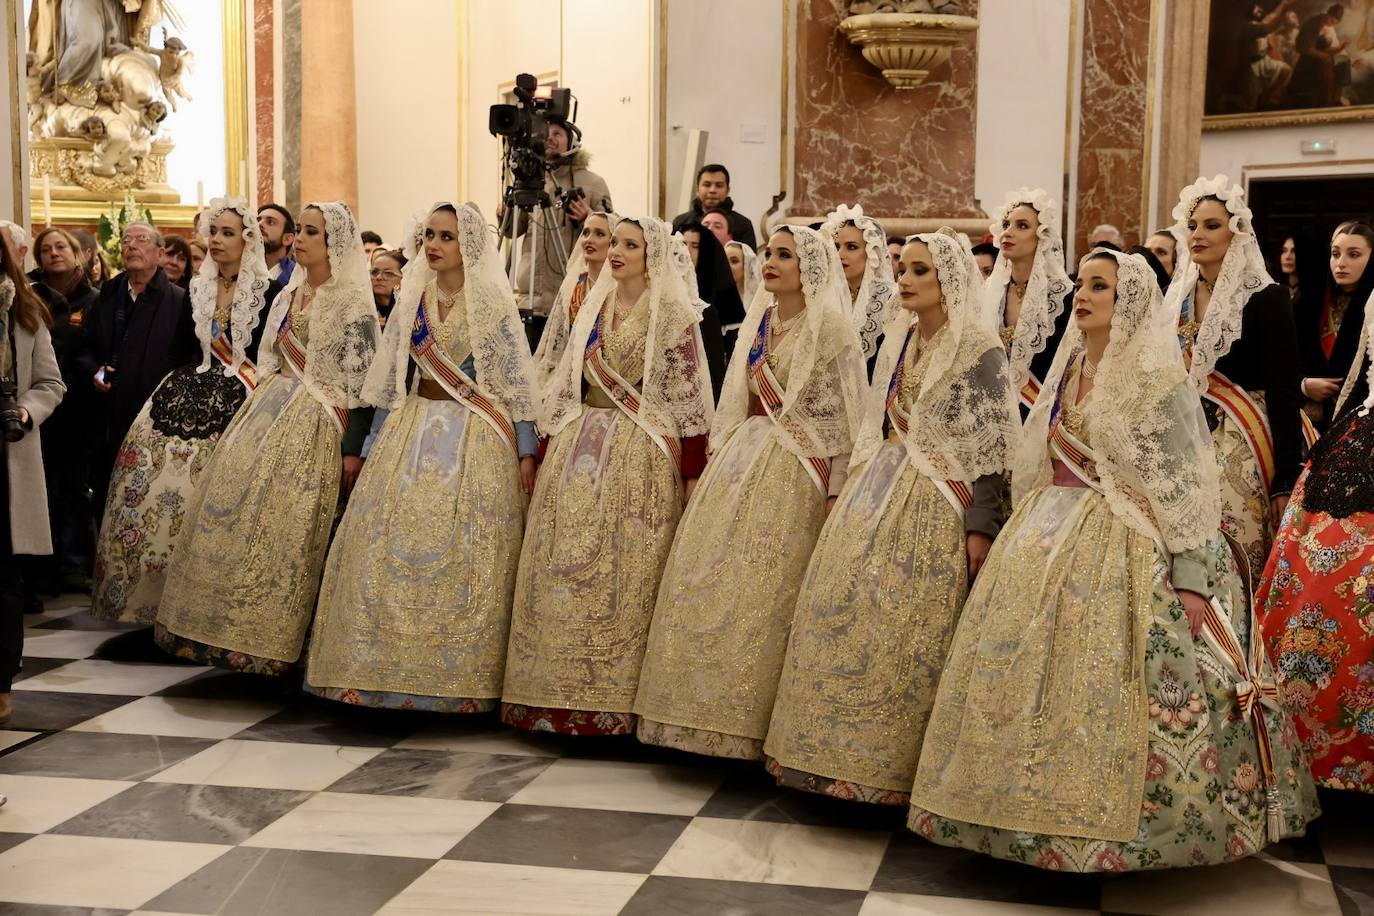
(47,200)
(200,195)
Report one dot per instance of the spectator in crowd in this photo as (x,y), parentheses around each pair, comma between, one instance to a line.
(1301,261)
(139,329)
(713,193)
(198,253)
(66,436)
(566,160)
(1161,275)
(371,242)
(175,260)
(716,287)
(1164,247)
(278,229)
(1106,236)
(894,248)
(97,266)
(386,280)
(26,359)
(985,253)
(717,221)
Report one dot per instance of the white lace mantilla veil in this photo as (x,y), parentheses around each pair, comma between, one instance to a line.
(870,309)
(753,271)
(1242,274)
(824,397)
(558,328)
(1364,351)
(343,329)
(1046,287)
(964,420)
(675,393)
(250,292)
(500,350)
(688,271)
(1153,450)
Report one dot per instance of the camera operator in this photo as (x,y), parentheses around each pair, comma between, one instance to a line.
(567,175)
(30,389)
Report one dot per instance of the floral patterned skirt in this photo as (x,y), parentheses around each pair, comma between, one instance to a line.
(567,721)
(1316,605)
(156,473)
(1072,666)
(873,623)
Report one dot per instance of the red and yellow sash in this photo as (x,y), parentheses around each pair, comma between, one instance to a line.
(1029,392)
(1242,410)
(223,351)
(958,493)
(625,396)
(294,351)
(436,364)
(771,397)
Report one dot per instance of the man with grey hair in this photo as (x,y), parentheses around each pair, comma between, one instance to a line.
(1107,234)
(139,329)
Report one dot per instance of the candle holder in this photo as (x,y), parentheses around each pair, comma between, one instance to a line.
(906,40)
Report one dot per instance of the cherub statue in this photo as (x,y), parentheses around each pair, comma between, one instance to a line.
(107,93)
(174,62)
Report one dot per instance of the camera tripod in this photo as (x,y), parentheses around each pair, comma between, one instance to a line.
(521,205)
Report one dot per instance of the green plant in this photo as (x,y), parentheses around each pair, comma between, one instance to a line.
(111,229)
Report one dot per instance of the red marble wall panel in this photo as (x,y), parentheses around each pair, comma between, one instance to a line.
(907,154)
(1113,134)
(264,82)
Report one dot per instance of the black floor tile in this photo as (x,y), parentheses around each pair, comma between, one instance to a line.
(623,841)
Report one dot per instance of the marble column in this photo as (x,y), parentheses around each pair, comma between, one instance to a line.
(328,111)
(264,112)
(1114,134)
(1181,102)
(14,114)
(906,156)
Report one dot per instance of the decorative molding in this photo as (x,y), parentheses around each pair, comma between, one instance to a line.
(1293,118)
(17,102)
(906,47)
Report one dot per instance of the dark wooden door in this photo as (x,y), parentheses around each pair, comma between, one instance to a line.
(1307,206)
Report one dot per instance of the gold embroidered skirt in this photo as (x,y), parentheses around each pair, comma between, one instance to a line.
(729,590)
(1244,498)
(415,601)
(601,520)
(1079,725)
(873,623)
(247,570)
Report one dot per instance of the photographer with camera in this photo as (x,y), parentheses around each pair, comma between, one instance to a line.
(30,389)
(544,128)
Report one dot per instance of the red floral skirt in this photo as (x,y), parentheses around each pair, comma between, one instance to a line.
(567,721)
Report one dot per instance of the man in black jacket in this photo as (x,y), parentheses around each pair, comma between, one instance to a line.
(139,329)
(713,193)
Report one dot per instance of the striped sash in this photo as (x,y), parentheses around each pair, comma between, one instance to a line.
(958,493)
(294,351)
(436,364)
(771,397)
(1029,392)
(1242,410)
(625,396)
(223,351)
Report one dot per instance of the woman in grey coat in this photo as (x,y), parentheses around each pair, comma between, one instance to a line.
(30,388)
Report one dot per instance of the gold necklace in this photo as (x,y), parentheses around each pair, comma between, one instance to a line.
(1020,288)
(781,325)
(227,282)
(1089,368)
(1008,334)
(1208,284)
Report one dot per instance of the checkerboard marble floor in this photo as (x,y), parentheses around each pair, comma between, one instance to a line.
(139,785)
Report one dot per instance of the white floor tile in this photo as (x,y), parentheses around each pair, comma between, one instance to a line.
(442,737)
(110,678)
(87,871)
(921,905)
(65,643)
(268,765)
(616,786)
(760,851)
(10,738)
(514,889)
(39,803)
(1257,886)
(181,716)
(385,825)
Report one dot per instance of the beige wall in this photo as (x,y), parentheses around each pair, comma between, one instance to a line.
(1276,151)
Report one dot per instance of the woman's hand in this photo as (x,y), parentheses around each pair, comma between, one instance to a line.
(977,546)
(352,467)
(1195,606)
(1321,389)
(527,471)
(1277,506)
(688,488)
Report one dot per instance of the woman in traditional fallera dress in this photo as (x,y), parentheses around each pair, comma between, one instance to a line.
(1316,598)
(780,445)
(627,409)
(1025,296)
(584,268)
(169,446)
(241,589)
(915,521)
(1237,333)
(415,601)
(867,265)
(1107,705)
